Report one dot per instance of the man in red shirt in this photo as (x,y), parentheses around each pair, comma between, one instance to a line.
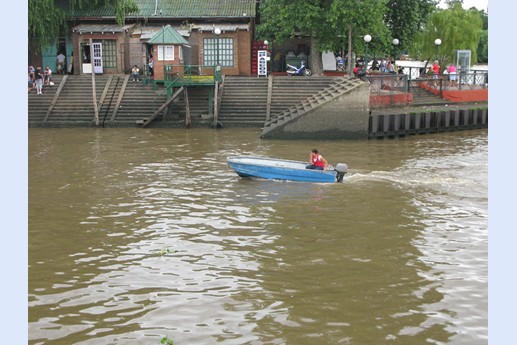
(436,71)
(317,161)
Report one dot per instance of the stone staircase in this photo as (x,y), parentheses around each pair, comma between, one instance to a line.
(74,106)
(244,101)
(121,102)
(288,91)
(38,105)
(137,103)
(339,87)
(424,97)
(198,98)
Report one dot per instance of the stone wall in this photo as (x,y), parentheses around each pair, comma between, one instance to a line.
(344,117)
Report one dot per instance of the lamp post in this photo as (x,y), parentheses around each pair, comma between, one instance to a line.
(437,43)
(266,43)
(367,39)
(395,44)
(217,32)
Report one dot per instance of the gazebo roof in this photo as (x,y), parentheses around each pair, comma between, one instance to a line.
(167,35)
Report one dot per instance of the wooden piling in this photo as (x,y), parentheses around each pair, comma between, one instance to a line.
(400,125)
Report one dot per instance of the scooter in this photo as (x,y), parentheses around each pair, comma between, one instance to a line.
(340,64)
(294,70)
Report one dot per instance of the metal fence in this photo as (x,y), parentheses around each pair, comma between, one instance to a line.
(397,84)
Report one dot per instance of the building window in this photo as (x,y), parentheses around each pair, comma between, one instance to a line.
(109,53)
(169,53)
(211,47)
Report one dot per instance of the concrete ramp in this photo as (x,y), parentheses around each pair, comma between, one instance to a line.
(340,111)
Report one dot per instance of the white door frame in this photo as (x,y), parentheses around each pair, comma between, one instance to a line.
(96,54)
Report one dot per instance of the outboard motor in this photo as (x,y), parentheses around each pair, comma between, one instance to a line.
(341,169)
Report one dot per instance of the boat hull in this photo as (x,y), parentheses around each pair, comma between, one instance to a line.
(279,169)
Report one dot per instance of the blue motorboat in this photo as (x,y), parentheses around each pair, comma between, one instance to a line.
(281,169)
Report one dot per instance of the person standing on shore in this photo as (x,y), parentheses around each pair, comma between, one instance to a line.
(135,73)
(452,75)
(151,65)
(38,77)
(436,71)
(60,63)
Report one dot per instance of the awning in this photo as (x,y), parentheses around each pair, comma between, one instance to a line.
(223,27)
(100,28)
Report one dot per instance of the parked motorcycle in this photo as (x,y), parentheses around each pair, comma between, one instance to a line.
(340,64)
(294,70)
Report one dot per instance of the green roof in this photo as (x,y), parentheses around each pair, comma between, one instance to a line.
(167,35)
(176,9)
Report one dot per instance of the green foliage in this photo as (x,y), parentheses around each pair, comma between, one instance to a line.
(405,18)
(122,7)
(46,21)
(283,19)
(329,22)
(167,341)
(323,20)
(482,51)
(364,17)
(457,28)
(165,251)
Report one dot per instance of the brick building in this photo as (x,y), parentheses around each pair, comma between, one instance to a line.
(215,32)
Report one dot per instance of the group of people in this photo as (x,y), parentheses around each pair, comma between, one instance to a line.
(38,77)
(385,65)
(449,72)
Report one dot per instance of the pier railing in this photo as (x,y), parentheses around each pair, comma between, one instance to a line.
(393,87)
(192,74)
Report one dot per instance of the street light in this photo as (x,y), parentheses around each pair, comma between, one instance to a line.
(217,32)
(437,43)
(395,44)
(367,39)
(266,43)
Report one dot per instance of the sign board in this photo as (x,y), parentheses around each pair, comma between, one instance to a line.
(329,61)
(262,63)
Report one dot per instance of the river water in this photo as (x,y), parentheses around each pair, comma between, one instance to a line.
(136,235)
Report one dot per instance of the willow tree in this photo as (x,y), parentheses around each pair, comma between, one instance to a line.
(322,20)
(355,19)
(47,20)
(456,27)
(405,18)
